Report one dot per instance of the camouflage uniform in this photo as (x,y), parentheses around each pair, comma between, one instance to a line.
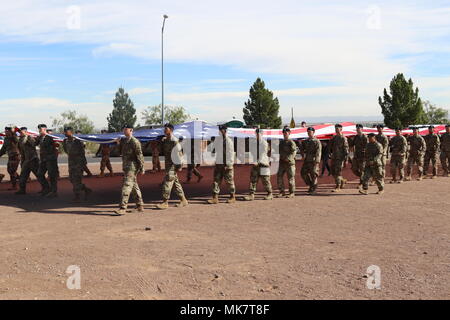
(417,148)
(358,143)
(339,152)
(77,162)
(171,147)
(432,154)
(288,151)
(132,164)
(105,150)
(384,141)
(399,148)
(374,166)
(224,169)
(48,163)
(445,153)
(312,151)
(261,166)
(29,160)
(10,146)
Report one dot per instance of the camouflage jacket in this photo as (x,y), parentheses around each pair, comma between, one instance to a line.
(47,149)
(288,151)
(27,148)
(384,141)
(358,143)
(75,152)
(10,146)
(399,146)
(312,150)
(374,153)
(445,142)
(172,152)
(132,156)
(417,146)
(338,147)
(433,143)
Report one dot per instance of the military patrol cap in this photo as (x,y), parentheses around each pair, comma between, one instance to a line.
(42,126)
(8,129)
(371,135)
(447,125)
(24,128)
(170,126)
(257,130)
(398,129)
(223,127)
(127,126)
(360,126)
(311,129)
(338,125)
(431,127)
(286,129)
(68,129)
(380,126)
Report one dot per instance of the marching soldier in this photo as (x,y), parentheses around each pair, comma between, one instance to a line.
(48,163)
(260,168)
(432,153)
(339,152)
(312,151)
(358,146)
(10,146)
(29,159)
(445,151)
(224,170)
(171,150)
(288,151)
(416,153)
(105,163)
(399,149)
(77,162)
(132,164)
(374,165)
(384,141)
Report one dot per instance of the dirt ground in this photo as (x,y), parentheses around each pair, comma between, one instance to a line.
(310,247)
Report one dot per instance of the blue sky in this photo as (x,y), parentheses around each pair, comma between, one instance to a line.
(322,58)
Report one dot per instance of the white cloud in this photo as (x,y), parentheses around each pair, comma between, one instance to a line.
(137,91)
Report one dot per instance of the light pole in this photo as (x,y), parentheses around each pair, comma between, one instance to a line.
(162,69)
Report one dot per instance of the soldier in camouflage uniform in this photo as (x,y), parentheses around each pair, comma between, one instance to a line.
(10,146)
(384,141)
(288,151)
(374,165)
(224,170)
(399,149)
(339,152)
(358,145)
(312,153)
(261,167)
(132,164)
(171,150)
(29,159)
(417,151)
(48,163)
(432,154)
(445,151)
(74,148)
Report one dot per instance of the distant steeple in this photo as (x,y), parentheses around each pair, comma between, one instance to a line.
(292,124)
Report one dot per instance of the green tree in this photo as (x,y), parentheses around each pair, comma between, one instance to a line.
(123,112)
(173,115)
(72,119)
(403,106)
(262,109)
(434,114)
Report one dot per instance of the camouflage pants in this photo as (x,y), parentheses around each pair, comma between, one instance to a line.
(289,170)
(445,161)
(358,166)
(105,163)
(130,187)
(13,164)
(171,180)
(383,165)
(336,170)
(373,172)
(26,169)
(192,169)
(50,167)
(433,158)
(398,165)
(310,172)
(255,175)
(76,177)
(414,160)
(221,172)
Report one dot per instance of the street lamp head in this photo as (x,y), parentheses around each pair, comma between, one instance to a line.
(166,16)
